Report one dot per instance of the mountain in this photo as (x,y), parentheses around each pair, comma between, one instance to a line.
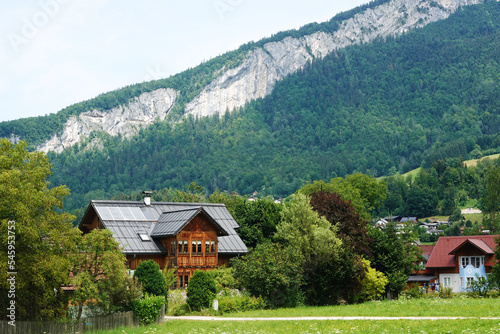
(383,88)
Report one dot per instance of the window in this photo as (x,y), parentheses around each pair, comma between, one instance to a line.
(172,247)
(186,249)
(475,261)
(446,280)
(180,246)
(207,246)
(144,236)
(196,246)
(212,246)
(469,280)
(186,280)
(181,281)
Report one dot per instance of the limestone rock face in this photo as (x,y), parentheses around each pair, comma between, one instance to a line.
(125,120)
(257,75)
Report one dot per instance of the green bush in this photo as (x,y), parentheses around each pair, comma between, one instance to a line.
(224,278)
(180,310)
(176,297)
(414,291)
(201,290)
(236,302)
(479,287)
(148,309)
(446,292)
(373,284)
(273,272)
(149,275)
(495,293)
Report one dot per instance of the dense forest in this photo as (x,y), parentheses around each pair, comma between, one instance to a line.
(379,109)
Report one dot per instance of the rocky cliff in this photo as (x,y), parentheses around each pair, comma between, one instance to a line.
(262,68)
(125,120)
(256,77)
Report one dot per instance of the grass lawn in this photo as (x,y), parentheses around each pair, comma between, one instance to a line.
(458,306)
(310,327)
(414,307)
(474,217)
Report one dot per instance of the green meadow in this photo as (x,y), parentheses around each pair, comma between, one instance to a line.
(459,306)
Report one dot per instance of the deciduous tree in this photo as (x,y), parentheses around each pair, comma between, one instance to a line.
(272,271)
(40,239)
(100,276)
(352,229)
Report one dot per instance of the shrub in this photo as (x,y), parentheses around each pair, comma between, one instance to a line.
(231,301)
(181,310)
(148,309)
(494,293)
(224,278)
(149,275)
(201,290)
(414,291)
(479,287)
(176,298)
(273,272)
(446,292)
(170,277)
(373,284)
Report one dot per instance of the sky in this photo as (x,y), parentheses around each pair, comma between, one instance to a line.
(54,53)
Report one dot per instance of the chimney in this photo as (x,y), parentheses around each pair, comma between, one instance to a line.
(147,197)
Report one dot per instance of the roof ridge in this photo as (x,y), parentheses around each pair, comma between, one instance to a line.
(156,203)
(185,209)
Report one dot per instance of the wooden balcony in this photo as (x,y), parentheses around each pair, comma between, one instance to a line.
(197,261)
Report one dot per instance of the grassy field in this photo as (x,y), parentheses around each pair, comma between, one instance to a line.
(314,327)
(464,307)
(473,163)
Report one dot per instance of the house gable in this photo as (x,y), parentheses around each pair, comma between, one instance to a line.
(447,250)
(172,222)
(184,236)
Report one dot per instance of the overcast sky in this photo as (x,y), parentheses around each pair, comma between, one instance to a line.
(54,53)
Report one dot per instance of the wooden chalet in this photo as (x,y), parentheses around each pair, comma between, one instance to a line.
(184,236)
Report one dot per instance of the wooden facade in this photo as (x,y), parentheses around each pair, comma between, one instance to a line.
(187,239)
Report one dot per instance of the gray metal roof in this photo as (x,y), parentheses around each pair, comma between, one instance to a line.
(172,222)
(127,218)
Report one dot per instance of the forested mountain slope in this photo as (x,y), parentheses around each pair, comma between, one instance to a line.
(228,81)
(375,108)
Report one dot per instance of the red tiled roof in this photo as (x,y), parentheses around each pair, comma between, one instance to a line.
(426,249)
(479,244)
(441,257)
